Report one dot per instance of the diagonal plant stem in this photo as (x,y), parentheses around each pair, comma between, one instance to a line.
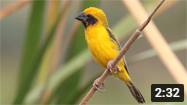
(13,7)
(158,42)
(56,47)
(44,69)
(59,36)
(67,69)
(167,5)
(49,22)
(70,36)
(120,55)
(29,64)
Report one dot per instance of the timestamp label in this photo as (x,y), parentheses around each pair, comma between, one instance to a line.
(167,92)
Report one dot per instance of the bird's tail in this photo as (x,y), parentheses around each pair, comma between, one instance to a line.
(135,92)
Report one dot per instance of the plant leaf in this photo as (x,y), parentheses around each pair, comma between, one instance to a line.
(175,46)
(30,49)
(84,56)
(69,87)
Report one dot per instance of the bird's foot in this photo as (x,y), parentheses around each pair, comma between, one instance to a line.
(95,86)
(109,66)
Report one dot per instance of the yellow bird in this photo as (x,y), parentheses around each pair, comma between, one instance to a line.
(104,46)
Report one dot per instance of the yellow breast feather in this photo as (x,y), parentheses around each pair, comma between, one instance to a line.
(104,46)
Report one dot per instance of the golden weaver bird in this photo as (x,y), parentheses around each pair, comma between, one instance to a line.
(104,46)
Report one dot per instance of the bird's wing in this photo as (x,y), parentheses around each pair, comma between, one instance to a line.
(114,39)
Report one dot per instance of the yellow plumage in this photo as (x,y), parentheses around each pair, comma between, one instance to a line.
(104,45)
(103,49)
(99,42)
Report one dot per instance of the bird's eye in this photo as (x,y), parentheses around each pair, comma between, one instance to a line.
(89,15)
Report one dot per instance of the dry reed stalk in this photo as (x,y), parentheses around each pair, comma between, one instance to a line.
(157,41)
(13,7)
(167,5)
(51,16)
(57,46)
(70,36)
(59,36)
(120,55)
(52,13)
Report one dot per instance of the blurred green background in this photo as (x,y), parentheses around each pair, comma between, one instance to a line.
(19,78)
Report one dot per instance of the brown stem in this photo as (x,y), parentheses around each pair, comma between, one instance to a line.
(157,41)
(56,47)
(120,55)
(150,16)
(13,7)
(70,36)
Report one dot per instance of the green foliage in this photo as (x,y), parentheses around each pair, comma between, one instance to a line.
(28,70)
(68,89)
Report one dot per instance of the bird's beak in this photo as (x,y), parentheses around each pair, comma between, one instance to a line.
(81,17)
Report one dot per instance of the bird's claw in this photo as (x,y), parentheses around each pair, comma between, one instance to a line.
(109,66)
(95,86)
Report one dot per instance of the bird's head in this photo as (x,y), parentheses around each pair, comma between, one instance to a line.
(92,16)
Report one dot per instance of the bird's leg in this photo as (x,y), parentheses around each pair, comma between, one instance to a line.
(109,66)
(95,86)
